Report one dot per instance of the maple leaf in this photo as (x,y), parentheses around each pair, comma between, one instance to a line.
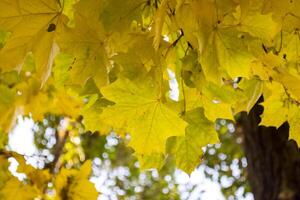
(233,53)
(278,101)
(187,149)
(255,25)
(291,48)
(85,42)
(117,15)
(5,175)
(154,160)
(230,53)
(251,91)
(15,189)
(159,22)
(38,178)
(274,104)
(74,184)
(91,113)
(62,102)
(7,107)
(218,102)
(33,25)
(139,109)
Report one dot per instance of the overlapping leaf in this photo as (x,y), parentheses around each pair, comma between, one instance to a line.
(74,184)
(279,107)
(33,26)
(140,110)
(227,54)
(85,42)
(187,149)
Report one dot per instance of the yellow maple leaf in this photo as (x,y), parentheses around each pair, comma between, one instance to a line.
(279,107)
(154,160)
(38,178)
(74,184)
(91,115)
(187,149)
(293,119)
(218,101)
(85,42)
(16,190)
(140,110)
(159,19)
(233,53)
(48,100)
(254,23)
(275,103)
(33,25)
(7,107)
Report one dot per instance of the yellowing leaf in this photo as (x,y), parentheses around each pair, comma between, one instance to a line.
(209,61)
(133,63)
(283,11)
(226,51)
(16,190)
(275,110)
(218,101)
(7,108)
(289,81)
(59,101)
(264,67)
(215,109)
(75,185)
(69,9)
(86,43)
(38,178)
(233,53)
(291,49)
(5,175)
(159,22)
(62,63)
(293,119)
(155,160)
(279,108)
(192,98)
(91,115)
(204,21)
(139,110)
(252,89)
(33,25)
(117,15)
(261,26)
(187,149)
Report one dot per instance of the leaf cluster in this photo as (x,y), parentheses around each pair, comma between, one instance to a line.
(113,63)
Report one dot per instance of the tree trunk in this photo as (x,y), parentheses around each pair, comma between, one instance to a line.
(273,161)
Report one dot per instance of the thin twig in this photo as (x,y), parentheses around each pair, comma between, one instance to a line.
(175,42)
(58,150)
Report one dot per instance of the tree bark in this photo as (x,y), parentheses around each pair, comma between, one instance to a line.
(273,160)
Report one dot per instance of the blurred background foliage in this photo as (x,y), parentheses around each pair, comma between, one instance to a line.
(116,171)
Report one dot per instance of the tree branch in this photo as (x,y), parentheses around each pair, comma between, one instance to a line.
(58,150)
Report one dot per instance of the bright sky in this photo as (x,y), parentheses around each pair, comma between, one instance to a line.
(21,138)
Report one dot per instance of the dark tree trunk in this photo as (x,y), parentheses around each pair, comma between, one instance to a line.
(273,161)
